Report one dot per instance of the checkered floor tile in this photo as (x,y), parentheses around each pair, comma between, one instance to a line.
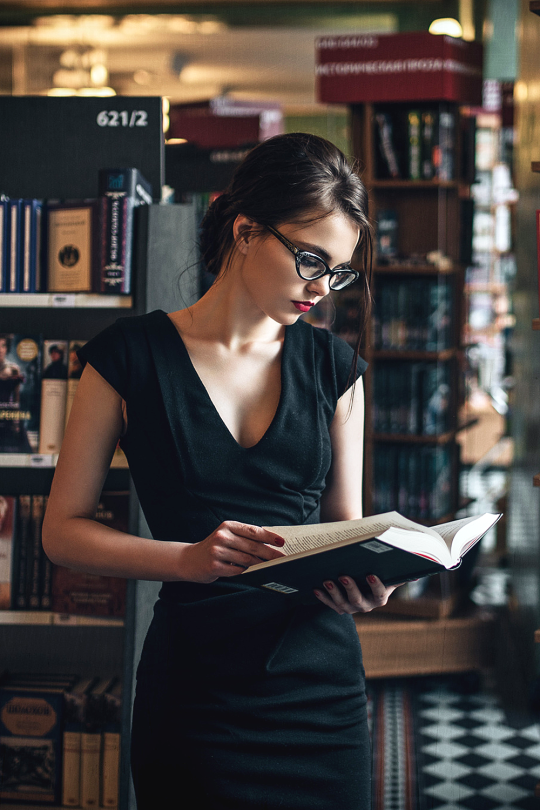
(472,755)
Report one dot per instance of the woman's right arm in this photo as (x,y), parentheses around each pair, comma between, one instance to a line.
(73,538)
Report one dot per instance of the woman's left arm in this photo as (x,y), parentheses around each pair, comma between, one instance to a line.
(342,500)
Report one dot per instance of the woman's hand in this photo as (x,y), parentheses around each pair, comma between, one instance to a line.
(228,551)
(351,599)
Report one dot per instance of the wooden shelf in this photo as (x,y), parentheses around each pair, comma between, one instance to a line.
(536,480)
(537,636)
(534,5)
(65,301)
(413,269)
(536,324)
(406,354)
(44,617)
(399,646)
(42,461)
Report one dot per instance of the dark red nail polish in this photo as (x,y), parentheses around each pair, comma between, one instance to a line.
(317,593)
(371,578)
(329,585)
(344,580)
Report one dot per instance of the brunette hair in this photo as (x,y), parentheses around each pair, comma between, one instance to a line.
(295,177)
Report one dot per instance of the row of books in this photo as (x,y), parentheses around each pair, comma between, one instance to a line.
(38,380)
(60,740)
(411,398)
(72,245)
(415,143)
(413,314)
(30,581)
(415,481)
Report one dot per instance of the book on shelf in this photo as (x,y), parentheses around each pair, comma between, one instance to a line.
(414,121)
(14,252)
(75,370)
(53,395)
(75,700)
(31,246)
(121,190)
(415,480)
(7,537)
(72,239)
(111,739)
(386,236)
(91,743)
(389,545)
(388,151)
(20,357)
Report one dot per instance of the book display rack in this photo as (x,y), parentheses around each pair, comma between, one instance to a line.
(412,145)
(82,137)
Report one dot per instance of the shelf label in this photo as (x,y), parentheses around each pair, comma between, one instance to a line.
(122,118)
(41,460)
(63,300)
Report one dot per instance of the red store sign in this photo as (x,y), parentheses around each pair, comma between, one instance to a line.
(398,67)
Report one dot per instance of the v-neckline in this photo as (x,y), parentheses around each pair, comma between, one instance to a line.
(209,399)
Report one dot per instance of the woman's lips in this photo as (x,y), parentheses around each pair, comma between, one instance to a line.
(303,306)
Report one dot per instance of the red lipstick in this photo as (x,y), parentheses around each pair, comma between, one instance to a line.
(303,306)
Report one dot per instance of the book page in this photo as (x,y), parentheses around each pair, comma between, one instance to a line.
(317,535)
(460,535)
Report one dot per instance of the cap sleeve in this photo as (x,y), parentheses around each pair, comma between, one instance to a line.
(343,356)
(107,353)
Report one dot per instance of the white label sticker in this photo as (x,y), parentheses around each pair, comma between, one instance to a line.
(378,548)
(276,586)
(63,300)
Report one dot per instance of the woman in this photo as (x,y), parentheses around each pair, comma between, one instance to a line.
(234,414)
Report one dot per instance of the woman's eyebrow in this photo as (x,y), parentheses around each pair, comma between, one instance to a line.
(315,249)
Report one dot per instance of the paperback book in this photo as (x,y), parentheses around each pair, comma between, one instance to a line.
(19,393)
(389,545)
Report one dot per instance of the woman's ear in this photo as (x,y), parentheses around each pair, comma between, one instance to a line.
(243,229)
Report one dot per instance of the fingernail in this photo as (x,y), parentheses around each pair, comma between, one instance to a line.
(371,578)
(344,580)
(317,593)
(329,585)
(279,541)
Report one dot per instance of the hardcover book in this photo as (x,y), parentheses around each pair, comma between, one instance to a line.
(75,370)
(19,393)
(31,744)
(31,257)
(53,395)
(121,191)
(72,232)
(389,545)
(13,270)
(4,241)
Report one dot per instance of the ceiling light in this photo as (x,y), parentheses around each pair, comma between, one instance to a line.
(176,140)
(141,77)
(98,92)
(61,91)
(446,25)
(99,75)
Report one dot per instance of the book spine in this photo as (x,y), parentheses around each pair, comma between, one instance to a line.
(46,569)
(428,144)
(27,240)
(53,415)
(110,769)
(34,553)
(19,600)
(71,767)
(4,231)
(386,145)
(90,769)
(128,180)
(14,251)
(7,541)
(414,132)
(118,237)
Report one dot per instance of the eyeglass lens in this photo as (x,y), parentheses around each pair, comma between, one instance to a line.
(311,268)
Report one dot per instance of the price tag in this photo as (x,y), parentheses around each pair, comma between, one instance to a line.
(41,460)
(63,300)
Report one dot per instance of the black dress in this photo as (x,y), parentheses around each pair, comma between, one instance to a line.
(243,702)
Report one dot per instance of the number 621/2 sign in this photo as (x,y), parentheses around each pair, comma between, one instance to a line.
(122,118)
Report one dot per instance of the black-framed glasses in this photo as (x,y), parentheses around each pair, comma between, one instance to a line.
(309,266)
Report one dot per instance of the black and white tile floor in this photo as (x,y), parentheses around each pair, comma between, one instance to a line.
(472,755)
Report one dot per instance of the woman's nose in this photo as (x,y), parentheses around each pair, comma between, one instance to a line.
(319,286)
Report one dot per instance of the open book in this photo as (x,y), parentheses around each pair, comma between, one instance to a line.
(390,546)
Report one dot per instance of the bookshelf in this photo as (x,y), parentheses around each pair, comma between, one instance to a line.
(43,641)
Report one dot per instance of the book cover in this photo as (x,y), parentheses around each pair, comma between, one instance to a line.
(31,744)
(390,546)
(445,151)
(20,387)
(31,246)
(53,395)
(387,236)
(121,190)
(7,540)
(72,234)
(74,592)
